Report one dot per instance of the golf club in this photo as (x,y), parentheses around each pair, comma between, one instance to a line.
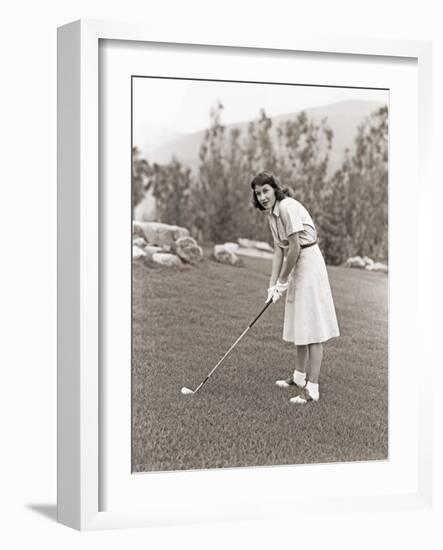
(188,391)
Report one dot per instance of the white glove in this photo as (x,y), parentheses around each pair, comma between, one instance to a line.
(270,293)
(276,292)
(281,287)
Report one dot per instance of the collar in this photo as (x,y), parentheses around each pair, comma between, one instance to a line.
(276,209)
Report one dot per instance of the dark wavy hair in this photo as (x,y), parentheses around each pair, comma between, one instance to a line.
(268,178)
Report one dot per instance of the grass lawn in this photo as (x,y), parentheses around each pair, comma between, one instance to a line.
(184,321)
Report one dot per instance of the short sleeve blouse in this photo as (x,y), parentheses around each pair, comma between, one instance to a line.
(288,217)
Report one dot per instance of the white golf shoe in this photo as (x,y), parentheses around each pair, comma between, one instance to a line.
(303,397)
(287,383)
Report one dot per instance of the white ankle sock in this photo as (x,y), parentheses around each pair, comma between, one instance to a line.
(313,390)
(299,378)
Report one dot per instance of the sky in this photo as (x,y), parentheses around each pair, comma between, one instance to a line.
(163,108)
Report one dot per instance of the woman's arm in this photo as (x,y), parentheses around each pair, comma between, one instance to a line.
(291,257)
(277,261)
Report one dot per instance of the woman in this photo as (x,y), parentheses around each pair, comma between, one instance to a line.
(299,270)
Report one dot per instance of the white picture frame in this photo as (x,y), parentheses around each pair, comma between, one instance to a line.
(79,253)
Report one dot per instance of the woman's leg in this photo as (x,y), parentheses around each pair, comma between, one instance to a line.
(315,360)
(299,376)
(301,359)
(311,391)
(301,363)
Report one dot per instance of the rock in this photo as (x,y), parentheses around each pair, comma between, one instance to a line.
(161,234)
(254,252)
(187,250)
(256,249)
(232,246)
(355,261)
(377,266)
(150,250)
(226,256)
(166,260)
(246,243)
(259,245)
(265,247)
(137,231)
(139,241)
(137,253)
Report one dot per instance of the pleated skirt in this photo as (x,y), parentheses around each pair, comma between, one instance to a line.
(309,311)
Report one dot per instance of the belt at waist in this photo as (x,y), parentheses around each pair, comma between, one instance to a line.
(308,245)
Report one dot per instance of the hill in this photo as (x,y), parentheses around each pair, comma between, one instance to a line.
(343,117)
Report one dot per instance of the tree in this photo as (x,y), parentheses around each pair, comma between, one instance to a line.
(214,200)
(355,205)
(335,241)
(141,172)
(297,151)
(349,207)
(368,188)
(172,185)
(259,154)
(304,147)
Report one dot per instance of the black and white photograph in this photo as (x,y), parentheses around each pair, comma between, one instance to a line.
(259,274)
(222,277)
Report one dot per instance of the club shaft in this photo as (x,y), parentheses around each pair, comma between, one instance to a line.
(222,359)
(257,317)
(251,324)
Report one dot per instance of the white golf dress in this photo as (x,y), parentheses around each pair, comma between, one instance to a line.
(309,311)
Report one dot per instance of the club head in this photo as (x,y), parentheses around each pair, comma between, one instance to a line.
(186,391)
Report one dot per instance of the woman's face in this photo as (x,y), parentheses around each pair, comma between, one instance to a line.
(265,195)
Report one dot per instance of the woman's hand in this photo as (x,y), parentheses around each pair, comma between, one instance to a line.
(276,292)
(280,288)
(270,293)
